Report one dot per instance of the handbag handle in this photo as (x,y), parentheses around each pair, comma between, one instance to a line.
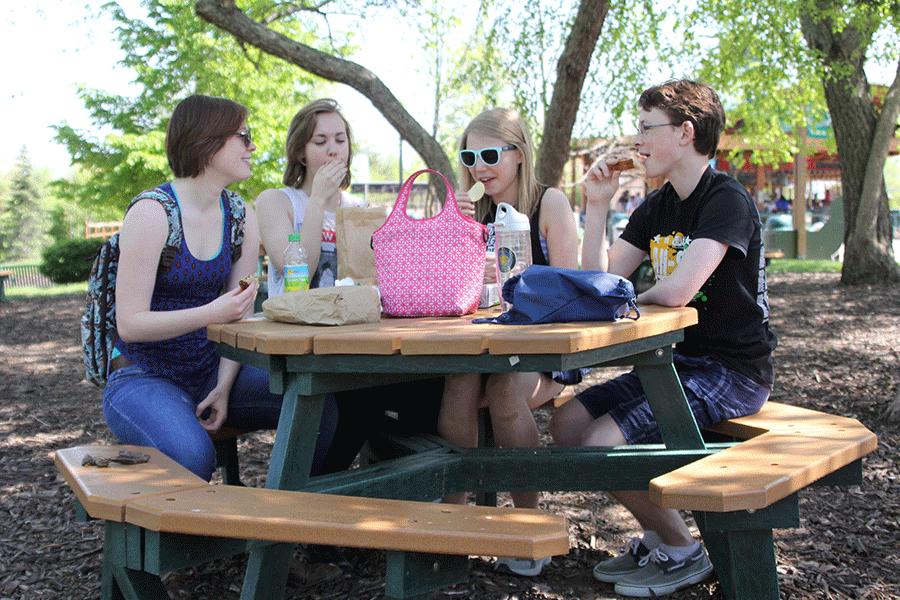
(403,198)
(398,213)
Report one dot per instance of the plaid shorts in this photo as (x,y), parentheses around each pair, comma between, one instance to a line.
(714,393)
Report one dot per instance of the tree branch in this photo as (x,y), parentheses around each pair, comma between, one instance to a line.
(226,16)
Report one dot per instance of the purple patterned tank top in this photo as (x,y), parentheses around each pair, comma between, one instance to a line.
(188,283)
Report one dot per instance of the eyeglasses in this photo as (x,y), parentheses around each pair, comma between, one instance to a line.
(489,156)
(642,129)
(246,136)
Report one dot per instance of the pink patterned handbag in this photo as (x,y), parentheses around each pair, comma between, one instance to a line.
(429,267)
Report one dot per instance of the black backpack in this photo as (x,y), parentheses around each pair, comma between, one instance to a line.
(98,323)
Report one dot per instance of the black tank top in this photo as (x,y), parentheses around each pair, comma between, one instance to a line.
(537,250)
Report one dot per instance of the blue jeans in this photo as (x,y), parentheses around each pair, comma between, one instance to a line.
(146,409)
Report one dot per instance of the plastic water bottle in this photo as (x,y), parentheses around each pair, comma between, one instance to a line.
(512,241)
(296,268)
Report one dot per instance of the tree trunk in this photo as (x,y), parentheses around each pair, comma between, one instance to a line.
(571,69)
(225,15)
(862,142)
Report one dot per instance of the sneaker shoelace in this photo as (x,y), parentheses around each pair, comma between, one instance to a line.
(631,547)
(656,555)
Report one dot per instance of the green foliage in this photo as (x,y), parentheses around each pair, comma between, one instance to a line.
(787,265)
(892,180)
(174,54)
(60,228)
(524,41)
(47,292)
(770,79)
(69,261)
(22,215)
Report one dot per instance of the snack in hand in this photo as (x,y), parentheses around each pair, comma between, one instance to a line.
(476,192)
(246,281)
(625,164)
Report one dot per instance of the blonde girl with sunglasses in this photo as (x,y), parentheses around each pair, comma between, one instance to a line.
(496,149)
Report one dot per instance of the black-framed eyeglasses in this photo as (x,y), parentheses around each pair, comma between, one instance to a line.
(642,129)
(489,156)
(247,136)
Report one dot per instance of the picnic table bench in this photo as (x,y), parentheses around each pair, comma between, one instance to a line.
(4,275)
(739,495)
(160,517)
(739,492)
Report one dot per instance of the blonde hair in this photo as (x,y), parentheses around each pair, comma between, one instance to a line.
(300,131)
(509,126)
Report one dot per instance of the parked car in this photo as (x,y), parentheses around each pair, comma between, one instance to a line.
(779,222)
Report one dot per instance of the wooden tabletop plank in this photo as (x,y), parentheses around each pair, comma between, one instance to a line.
(371,338)
(567,338)
(451,336)
(447,335)
(104,492)
(285,516)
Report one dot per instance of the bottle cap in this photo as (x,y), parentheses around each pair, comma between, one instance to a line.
(509,219)
(293,237)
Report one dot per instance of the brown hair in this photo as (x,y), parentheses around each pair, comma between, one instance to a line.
(300,131)
(686,100)
(509,126)
(199,127)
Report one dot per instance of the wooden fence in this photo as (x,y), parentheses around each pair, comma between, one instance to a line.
(101,229)
(26,276)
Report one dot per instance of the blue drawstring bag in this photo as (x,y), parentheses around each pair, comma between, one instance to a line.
(543,294)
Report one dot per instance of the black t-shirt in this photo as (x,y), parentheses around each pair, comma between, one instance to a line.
(733,304)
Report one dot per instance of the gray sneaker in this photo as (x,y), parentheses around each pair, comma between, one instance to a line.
(526,567)
(614,569)
(660,575)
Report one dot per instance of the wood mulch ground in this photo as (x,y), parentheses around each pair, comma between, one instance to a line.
(838,353)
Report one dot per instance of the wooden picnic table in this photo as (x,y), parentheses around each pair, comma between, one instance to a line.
(740,485)
(306,362)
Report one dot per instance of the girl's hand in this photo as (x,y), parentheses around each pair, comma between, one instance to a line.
(234,304)
(217,403)
(327,181)
(490,267)
(465,204)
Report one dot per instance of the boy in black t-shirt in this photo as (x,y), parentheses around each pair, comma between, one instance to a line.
(703,235)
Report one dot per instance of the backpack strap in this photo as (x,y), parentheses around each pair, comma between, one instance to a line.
(173,217)
(238,214)
(173,243)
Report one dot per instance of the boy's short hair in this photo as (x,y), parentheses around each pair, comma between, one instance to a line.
(199,127)
(300,131)
(686,100)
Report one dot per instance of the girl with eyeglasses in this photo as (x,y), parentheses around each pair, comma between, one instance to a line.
(167,387)
(496,149)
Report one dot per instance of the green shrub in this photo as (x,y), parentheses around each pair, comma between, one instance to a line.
(69,261)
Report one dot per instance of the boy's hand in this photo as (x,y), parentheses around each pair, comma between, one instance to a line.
(601,185)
